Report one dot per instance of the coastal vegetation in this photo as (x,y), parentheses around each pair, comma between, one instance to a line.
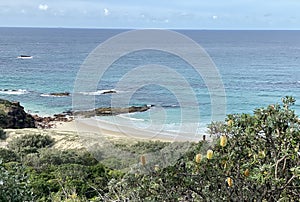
(252,157)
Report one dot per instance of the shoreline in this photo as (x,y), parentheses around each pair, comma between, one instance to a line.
(89,122)
(80,134)
(109,129)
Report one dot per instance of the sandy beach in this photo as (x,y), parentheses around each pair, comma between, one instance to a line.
(82,133)
(127,131)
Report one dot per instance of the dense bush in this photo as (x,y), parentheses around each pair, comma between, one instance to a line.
(84,181)
(14,184)
(143,147)
(47,156)
(254,158)
(8,156)
(30,143)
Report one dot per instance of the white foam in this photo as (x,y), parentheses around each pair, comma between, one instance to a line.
(47,95)
(24,57)
(13,92)
(126,116)
(51,95)
(98,92)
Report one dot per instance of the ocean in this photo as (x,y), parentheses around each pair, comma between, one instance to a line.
(257,68)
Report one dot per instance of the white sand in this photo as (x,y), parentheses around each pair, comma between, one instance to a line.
(108,129)
(81,133)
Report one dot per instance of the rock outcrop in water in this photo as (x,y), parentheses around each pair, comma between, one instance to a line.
(64,94)
(12,115)
(109,92)
(109,111)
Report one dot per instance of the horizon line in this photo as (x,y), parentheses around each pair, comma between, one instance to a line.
(143,28)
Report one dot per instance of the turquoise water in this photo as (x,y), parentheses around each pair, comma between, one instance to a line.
(256,67)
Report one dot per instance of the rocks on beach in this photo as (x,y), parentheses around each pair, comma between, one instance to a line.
(12,115)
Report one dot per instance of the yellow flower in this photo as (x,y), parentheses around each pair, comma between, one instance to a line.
(209,154)
(143,160)
(229,181)
(223,141)
(246,173)
(230,122)
(225,165)
(198,158)
(73,195)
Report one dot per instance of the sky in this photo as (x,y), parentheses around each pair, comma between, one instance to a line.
(169,14)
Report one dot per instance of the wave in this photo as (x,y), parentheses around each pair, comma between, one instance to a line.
(47,95)
(50,95)
(100,92)
(126,116)
(171,106)
(13,92)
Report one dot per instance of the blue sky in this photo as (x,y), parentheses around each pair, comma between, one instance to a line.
(178,14)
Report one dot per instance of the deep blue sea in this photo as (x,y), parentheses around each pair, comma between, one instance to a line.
(257,68)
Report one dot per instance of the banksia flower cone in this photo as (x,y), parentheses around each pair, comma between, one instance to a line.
(198,158)
(223,141)
(229,181)
(246,173)
(209,154)
(230,123)
(143,160)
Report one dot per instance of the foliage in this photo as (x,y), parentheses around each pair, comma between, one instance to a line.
(259,162)
(252,157)
(49,156)
(85,181)
(8,156)
(14,185)
(30,143)
(143,147)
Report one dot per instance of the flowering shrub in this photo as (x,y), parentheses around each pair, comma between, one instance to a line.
(254,157)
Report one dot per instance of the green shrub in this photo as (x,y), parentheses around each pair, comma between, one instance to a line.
(30,143)
(61,180)
(14,184)
(49,156)
(259,162)
(143,147)
(8,156)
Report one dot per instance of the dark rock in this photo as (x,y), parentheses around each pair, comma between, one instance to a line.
(64,94)
(109,111)
(109,92)
(12,115)
(49,122)
(68,112)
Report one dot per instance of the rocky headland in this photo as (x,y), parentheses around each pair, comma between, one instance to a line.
(12,115)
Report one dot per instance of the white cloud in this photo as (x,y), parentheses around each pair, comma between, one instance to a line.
(106,12)
(43,7)
(214,17)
